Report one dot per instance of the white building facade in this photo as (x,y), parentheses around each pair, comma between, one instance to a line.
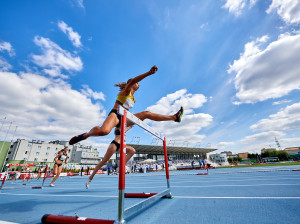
(220,159)
(84,155)
(39,151)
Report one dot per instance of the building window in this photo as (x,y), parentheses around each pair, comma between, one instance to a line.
(39,147)
(35,159)
(9,152)
(69,150)
(48,148)
(29,145)
(26,152)
(56,149)
(47,153)
(55,154)
(25,159)
(37,153)
(45,160)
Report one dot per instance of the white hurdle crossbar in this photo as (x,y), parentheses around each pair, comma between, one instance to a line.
(140,123)
(131,211)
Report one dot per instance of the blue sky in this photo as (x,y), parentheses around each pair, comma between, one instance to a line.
(233,65)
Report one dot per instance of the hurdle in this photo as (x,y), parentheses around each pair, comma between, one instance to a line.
(23,165)
(204,173)
(123,214)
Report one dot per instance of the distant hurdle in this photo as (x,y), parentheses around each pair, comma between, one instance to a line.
(151,198)
(25,175)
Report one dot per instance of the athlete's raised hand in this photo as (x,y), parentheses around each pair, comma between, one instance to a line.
(153,69)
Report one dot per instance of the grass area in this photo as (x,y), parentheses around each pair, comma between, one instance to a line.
(266,164)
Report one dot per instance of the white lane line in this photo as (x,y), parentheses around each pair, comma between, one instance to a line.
(178,182)
(179,197)
(240,185)
(200,197)
(4,222)
(174,186)
(61,195)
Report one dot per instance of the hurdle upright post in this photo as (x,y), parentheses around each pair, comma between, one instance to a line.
(122,169)
(5,176)
(166,163)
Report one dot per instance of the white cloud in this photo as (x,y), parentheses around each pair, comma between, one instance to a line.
(54,58)
(80,3)
(6,46)
(172,102)
(236,6)
(269,73)
(288,10)
(4,65)
(224,145)
(191,122)
(92,94)
(286,119)
(262,137)
(73,36)
(281,102)
(46,109)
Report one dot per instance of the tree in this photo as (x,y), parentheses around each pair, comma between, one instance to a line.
(230,160)
(283,156)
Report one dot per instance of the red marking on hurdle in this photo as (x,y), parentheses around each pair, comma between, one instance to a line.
(202,173)
(60,219)
(296,170)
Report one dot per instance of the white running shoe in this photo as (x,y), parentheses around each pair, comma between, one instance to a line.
(51,185)
(87,184)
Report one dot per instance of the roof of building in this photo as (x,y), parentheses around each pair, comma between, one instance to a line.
(292,148)
(158,149)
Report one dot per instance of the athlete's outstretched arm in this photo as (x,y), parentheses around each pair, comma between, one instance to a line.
(139,78)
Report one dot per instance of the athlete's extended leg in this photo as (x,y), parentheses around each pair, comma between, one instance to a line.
(158,117)
(110,122)
(110,151)
(59,169)
(129,153)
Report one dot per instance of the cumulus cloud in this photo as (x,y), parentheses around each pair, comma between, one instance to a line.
(54,59)
(288,10)
(286,119)
(236,6)
(267,73)
(45,108)
(224,145)
(281,102)
(92,94)
(6,46)
(73,36)
(262,137)
(4,65)
(191,122)
(172,102)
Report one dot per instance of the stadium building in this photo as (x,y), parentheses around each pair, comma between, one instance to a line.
(175,153)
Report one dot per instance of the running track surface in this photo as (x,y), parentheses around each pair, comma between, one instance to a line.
(232,195)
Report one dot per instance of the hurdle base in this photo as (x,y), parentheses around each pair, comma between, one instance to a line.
(144,195)
(202,173)
(38,187)
(60,219)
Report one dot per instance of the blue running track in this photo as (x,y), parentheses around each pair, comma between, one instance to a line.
(231,195)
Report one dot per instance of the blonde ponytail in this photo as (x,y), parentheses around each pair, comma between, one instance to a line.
(121,85)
